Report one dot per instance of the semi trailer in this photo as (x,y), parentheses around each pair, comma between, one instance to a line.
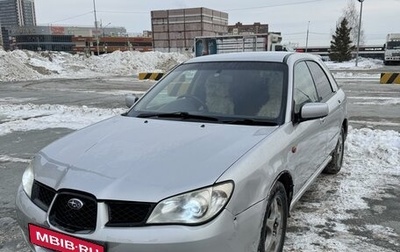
(206,45)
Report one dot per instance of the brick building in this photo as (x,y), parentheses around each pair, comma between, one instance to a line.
(175,30)
(241,29)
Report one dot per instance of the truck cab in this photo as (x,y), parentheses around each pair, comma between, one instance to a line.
(392,49)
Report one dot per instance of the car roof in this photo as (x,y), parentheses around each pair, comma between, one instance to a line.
(250,56)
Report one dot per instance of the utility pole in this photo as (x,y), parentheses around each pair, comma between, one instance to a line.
(308,31)
(96,27)
(359,31)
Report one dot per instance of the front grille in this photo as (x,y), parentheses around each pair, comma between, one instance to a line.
(69,217)
(128,214)
(42,195)
(84,219)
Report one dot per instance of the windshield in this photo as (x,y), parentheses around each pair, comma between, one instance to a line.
(221,92)
(393,45)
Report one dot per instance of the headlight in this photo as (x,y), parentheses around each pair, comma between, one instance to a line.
(27,180)
(192,207)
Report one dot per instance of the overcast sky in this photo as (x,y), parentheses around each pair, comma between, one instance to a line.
(290,17)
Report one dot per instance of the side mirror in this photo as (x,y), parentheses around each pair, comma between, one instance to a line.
(315,110)
(130,100)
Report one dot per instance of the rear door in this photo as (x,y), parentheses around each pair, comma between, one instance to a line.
(327,93)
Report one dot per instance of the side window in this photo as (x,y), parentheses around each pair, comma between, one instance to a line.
(322,83)
(304,88)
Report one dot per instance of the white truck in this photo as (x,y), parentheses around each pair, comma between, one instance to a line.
(206,45)
(392,48)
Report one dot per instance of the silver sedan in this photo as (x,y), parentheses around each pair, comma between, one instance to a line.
(212,158)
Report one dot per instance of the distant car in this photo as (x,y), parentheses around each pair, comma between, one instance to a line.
(211,158)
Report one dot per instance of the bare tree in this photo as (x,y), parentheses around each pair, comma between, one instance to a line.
(352,15)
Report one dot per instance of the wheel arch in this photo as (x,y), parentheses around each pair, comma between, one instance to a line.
(286,179)
(345,126)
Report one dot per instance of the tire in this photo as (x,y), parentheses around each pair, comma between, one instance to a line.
(275,220)
(337,156)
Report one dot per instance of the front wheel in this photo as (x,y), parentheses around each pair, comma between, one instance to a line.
(275,219)
(337,156)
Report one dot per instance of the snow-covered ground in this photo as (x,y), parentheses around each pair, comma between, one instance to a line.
(363,64)
(372,156)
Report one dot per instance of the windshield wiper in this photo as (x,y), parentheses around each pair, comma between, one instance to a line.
(250,122)
(181,115)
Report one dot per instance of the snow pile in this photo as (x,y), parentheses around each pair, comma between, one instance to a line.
(38,117)
(13,67)
(27,65)
(23,65)
(363,64)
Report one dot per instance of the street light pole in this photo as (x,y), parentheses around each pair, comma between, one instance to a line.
(359,31)
(103,27)
(103,35)
(96,27)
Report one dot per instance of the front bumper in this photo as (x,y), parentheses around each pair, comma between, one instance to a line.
(394,58)
(226,233)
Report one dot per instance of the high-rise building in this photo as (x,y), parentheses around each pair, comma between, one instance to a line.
(17,13)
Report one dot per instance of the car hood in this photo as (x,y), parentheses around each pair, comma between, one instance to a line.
(127,158)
